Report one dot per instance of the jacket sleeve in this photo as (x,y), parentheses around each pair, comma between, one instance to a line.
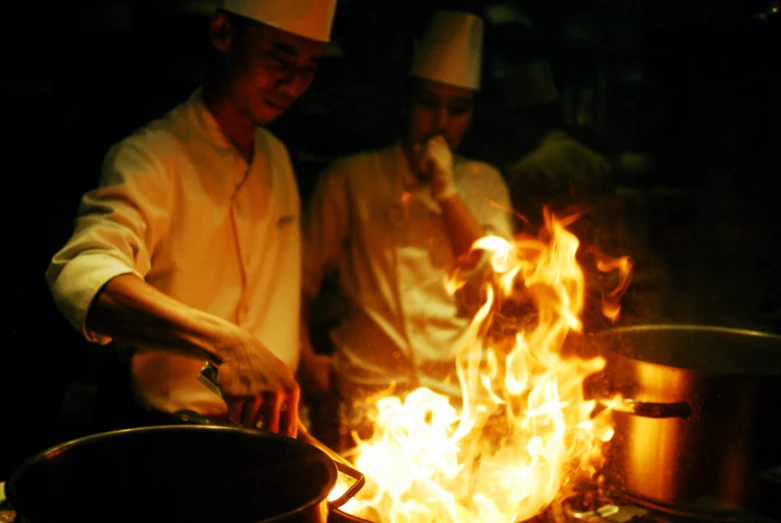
(116,228)
(325,228)
(498,211)
(493,210)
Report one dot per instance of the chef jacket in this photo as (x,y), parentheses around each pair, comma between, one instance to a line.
(374,222)
(178,206)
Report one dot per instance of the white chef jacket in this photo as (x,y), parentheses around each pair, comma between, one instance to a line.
(373,221)
(180,207)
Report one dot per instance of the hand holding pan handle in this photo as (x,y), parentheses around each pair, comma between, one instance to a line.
(208,377)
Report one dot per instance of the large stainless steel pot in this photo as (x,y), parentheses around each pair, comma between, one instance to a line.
(176,473)
(705,458)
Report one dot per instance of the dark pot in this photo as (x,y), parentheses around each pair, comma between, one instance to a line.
(176,473)
(702,425)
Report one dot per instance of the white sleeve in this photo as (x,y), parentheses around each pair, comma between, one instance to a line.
(117,226)
(498,212)
(490,199)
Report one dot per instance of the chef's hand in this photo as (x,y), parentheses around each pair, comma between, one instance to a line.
(258,387)
(437,161)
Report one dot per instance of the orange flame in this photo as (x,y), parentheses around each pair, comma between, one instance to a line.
(523,430)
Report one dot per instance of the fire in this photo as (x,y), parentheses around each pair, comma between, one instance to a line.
(524,431)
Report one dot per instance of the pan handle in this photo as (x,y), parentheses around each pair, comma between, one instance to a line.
(342,465)
(359,478)
(208,377)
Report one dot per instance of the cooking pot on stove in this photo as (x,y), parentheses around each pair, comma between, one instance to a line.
(713,429)
(178,473)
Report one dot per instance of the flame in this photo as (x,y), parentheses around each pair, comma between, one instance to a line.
(523,431)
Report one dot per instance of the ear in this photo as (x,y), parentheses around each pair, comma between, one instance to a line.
(221,32)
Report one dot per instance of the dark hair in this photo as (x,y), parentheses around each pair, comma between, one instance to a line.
(240,24)
(411,86)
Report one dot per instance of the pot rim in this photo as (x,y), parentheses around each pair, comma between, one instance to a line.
(767,342)
(20,470)
(689,327)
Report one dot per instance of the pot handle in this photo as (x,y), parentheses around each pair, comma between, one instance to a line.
(342,465)
(208,377)
(647,409)
(359,478)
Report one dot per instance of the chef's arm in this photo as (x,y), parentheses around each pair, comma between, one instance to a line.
(324,235)
(436,159)
(314,369)
(307,351)
(129,310)
(462,227)
(253,382)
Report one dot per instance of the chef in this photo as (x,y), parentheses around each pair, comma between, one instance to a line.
(188,250)
(394,222)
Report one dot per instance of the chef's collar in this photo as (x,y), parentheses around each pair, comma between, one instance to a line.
(207,120)
(212,129)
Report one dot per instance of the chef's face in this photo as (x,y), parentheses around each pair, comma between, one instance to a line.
(266,69)
(436,108)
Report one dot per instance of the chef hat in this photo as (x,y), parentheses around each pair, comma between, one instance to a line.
(308,18)
(451,50)
(529,84)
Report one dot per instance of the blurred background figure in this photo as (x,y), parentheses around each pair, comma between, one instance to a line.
(551,163)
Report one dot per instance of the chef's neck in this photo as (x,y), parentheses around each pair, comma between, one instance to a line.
(412,155)
(239,129)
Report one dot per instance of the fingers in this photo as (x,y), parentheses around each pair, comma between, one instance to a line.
(271,410)
(438,154)
(235,409)
(437,146)
(280,411)
(274,411)
(289,416)
(260,391)
(252,407)
(437,141)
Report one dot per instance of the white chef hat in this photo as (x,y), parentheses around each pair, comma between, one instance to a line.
(308,18)
(451,50)
(529,84)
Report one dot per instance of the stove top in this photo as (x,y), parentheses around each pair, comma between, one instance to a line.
(597,504)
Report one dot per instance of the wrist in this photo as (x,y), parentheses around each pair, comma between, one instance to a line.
(219,339)
(445,194)
(443,187)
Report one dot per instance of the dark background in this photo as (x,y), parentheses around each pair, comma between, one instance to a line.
(692,87)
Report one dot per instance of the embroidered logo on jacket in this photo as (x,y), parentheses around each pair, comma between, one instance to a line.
(285,220)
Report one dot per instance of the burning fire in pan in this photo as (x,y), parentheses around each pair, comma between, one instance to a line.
(524,431)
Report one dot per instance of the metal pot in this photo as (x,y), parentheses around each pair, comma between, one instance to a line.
(177,473)
(717,392)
